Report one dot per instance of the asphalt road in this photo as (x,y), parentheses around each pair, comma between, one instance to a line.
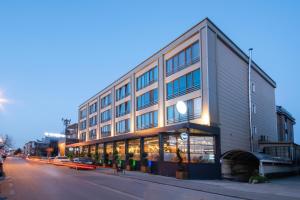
(31,180)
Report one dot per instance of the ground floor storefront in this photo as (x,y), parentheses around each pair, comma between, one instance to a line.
(190,148)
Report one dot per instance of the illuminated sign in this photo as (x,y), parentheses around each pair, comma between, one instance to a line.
(184,136)
(56,135)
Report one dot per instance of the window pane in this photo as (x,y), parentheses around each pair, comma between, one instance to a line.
(156,73)
(189,80)
(195,51)
(169,65)
(176,87)
(197,106)
(151,147)
(188,54)
(134,147)
(175,62)
(196,77)
(170,114)
(202,149)
(170,89)
(181,58)
(182,84)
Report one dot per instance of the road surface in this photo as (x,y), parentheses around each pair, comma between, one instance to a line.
(34,181)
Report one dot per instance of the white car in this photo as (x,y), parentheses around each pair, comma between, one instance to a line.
(61,159)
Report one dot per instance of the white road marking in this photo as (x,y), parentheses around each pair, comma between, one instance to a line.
(114,190)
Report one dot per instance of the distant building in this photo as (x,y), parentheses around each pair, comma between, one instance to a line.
(285,125)
(72,131)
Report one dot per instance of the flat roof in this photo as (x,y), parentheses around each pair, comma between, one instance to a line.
(207,21)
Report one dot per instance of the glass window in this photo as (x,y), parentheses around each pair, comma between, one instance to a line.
(202,149)
(188,55)
(155,75)
(196,78)
(175,62)
(181,59)
(110,150)
(134,147)
(175,87)
(151,147)
(170,89)
(120,150)
(182,84)
(170,114)
(169,65)
(195,52)
(171,144)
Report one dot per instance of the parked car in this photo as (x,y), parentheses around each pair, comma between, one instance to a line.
(88,161)
(61,159)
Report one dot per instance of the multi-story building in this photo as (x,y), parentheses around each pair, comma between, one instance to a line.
(206,70)
(285,125)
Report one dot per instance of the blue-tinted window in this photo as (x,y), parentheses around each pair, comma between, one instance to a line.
(147,120)
(181,58)
(182,84)
(195,51)
(147,99)
(147,78)
(184,58)
(196,77)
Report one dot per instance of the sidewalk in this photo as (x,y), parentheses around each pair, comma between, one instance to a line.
(277,189)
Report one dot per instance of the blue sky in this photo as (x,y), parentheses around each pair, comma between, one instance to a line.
(56,54)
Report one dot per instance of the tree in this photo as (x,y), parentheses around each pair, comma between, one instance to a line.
(5,142)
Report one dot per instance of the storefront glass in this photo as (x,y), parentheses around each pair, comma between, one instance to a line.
(120,148)
(110,150)
(100,152)
(93,150)
(202,149)
(151,147)
(171,144)
(134,147)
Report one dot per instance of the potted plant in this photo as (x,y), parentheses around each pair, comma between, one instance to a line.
(144,166)
(129,158)
(181,172)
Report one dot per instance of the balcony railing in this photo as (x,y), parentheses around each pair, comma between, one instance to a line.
(186,91)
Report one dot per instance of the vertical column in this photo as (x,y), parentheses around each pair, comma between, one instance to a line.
(161,92)
(98,118)
(132,112)
(205,116)
(113,112)
(87,122)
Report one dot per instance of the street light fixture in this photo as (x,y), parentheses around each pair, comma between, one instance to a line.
(181,107)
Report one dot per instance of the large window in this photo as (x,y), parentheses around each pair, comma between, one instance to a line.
(183,59)
(123,109)
(93,150)
(147,120)
(105,101)
(105,131)
(202,149)
(123,92)
(151,147)
(93,134)
(110,150)
(120,148)
(147,78)
(194,109)
(82,114)
(93,108)
(82,125)
(101,152)
(123,126)
(184,84)
(93,121)
(83,136)
(171,144)
(134,148)
(106,116)
(147,99)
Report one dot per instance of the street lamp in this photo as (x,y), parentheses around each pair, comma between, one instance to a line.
(181,107)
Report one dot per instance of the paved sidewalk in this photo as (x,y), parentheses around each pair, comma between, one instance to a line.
(282,189)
